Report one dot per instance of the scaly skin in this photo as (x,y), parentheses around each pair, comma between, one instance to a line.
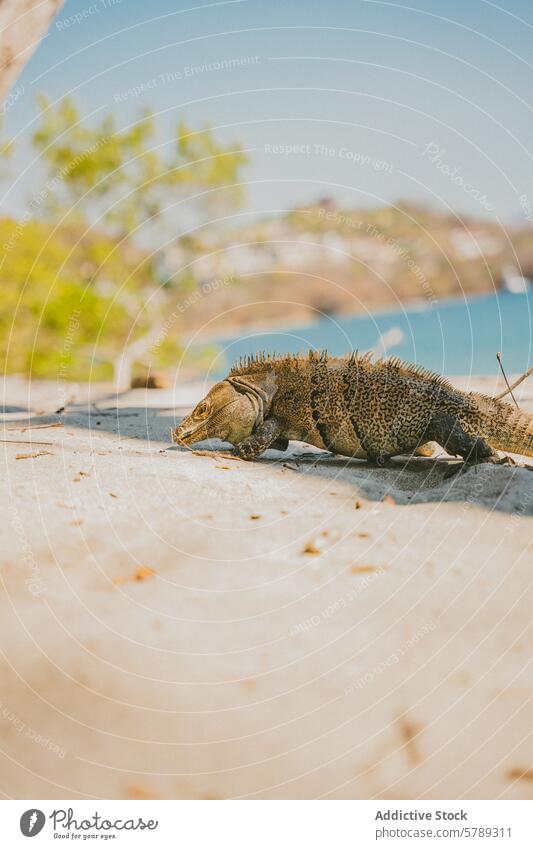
(355,407)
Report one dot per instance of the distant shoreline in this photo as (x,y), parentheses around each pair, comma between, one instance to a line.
(416,305)
(457,336)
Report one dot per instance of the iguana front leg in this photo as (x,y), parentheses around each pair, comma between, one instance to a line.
(261,439)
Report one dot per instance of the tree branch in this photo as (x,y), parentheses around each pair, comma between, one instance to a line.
(22,26)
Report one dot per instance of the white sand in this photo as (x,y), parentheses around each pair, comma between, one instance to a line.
(395,661)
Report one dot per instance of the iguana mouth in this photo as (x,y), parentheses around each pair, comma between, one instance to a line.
(184,435)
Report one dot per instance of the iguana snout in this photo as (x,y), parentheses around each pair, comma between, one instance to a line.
(225,413)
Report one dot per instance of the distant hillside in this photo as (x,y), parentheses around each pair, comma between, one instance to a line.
(321,259)
(79,304)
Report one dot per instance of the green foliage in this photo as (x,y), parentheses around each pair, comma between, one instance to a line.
(123,177)
(54,310)
(81,298)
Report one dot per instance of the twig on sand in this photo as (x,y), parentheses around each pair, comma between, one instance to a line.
(509,388)
(215,454)
(26,442)
(33,456)
(515,384)
(38,426)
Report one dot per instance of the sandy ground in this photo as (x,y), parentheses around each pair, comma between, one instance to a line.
(193,626)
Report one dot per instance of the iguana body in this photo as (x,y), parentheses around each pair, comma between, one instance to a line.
(353,406)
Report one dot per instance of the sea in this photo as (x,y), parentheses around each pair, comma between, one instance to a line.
(453,337)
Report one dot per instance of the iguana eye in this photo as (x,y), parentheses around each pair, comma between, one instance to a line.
(202,410)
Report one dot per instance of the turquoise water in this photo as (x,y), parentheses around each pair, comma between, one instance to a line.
(451,337)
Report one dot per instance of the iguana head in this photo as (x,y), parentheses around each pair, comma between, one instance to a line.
(229,411)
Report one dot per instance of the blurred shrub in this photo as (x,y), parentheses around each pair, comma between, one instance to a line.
(83,295)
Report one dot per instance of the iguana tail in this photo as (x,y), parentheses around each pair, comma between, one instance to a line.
(505,427)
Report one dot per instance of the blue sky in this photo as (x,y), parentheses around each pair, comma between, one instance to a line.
(367,101)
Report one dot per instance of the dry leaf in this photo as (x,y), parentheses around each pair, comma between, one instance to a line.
(255,516)
(363,534)
(143,572)
(311,548)
(519,774)
(221,467)
(360,570)
(388,499)
(113,495)
(135,792)
(359,504)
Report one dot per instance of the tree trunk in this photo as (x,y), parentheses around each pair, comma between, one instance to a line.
(123,364)
(22,25)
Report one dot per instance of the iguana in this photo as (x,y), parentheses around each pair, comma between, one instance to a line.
(353,406)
